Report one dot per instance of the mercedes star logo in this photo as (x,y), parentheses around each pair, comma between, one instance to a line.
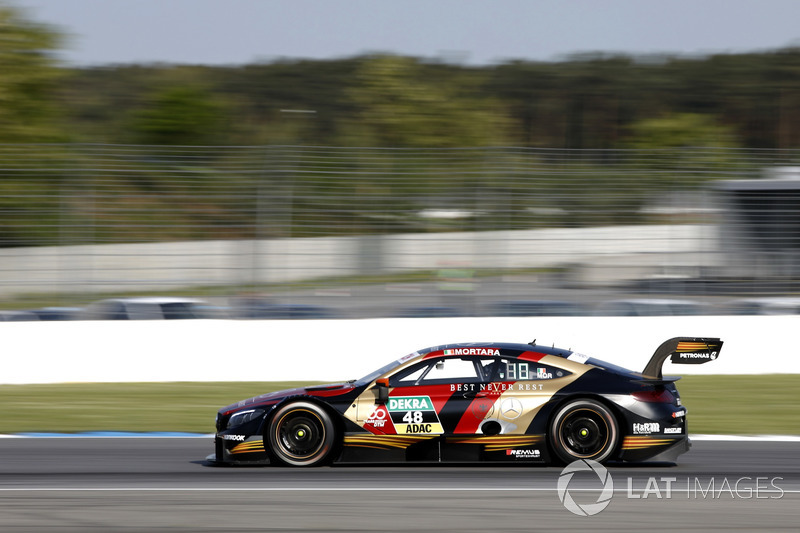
(511,408)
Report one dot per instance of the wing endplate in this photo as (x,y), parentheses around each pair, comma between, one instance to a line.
(683,351)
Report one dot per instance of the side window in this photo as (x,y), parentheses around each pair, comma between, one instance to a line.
(493,369)
(409,376)
(451,369)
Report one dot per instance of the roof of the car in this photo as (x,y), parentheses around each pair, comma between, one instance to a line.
(505,348)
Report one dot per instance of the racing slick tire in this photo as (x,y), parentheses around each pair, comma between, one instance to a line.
(301,434)
(583,429)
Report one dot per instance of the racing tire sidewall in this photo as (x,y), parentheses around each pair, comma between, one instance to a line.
(594,411)
(309,419)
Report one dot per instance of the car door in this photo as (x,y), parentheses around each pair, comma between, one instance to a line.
(431,397)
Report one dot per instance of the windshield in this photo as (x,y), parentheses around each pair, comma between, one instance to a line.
(372,376)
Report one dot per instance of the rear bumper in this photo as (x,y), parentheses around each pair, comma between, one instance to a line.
(654,448)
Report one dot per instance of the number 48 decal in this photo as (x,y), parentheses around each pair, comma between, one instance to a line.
(413,417)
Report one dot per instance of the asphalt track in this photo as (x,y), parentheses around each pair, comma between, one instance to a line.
(164,484)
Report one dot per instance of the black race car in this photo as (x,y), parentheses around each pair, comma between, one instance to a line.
(472,402)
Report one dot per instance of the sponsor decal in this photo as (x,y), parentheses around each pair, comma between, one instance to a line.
(646,428)
(698,355)
(678,414)
(578,357)
(695,352)
(378,417)
(407,357)
(525,454)
(239,438)
(667,431)
(421,403)
(414,415)
(472,351)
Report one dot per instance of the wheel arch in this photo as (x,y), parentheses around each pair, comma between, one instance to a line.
(335,416)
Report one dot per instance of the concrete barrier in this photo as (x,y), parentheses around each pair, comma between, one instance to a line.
(137,267)
(334,350)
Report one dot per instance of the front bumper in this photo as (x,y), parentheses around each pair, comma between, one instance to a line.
(248,450)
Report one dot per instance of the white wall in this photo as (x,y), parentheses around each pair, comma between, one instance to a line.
(331,350)
(164,266)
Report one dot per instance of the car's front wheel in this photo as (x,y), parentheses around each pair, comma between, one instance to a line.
(583,429)
(301,434)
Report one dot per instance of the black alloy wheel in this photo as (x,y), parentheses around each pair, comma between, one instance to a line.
(583,429)
(300,434)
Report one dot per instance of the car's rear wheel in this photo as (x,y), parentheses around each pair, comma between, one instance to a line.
(583,429)
(301,434)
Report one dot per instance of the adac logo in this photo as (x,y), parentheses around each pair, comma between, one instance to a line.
(586,509)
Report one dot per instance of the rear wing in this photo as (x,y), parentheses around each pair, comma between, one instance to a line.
(684,351)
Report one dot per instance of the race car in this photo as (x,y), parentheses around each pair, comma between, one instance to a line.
(472,402)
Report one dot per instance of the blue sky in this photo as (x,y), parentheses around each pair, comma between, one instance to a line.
(464,31)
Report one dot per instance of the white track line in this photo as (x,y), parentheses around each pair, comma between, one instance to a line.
(345,489)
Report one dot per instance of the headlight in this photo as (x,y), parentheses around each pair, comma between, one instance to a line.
(243,417)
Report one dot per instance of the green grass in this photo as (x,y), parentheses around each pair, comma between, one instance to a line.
(73,407)
(742,405)
(717,404)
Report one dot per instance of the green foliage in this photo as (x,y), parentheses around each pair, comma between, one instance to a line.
(177,116)
(582,102)
(680,130)
(401,102)
(28,75)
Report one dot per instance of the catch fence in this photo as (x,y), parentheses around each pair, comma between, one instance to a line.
(396,232)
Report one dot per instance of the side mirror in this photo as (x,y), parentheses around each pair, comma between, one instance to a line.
(382,386)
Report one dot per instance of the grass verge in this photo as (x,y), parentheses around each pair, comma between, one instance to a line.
(765,404)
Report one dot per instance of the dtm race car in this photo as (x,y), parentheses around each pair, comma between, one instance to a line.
(472,402)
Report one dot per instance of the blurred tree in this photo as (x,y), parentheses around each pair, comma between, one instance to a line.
(178,116)
(587,101)
(680,130)
(28,75)
(400,103)
(689,146)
